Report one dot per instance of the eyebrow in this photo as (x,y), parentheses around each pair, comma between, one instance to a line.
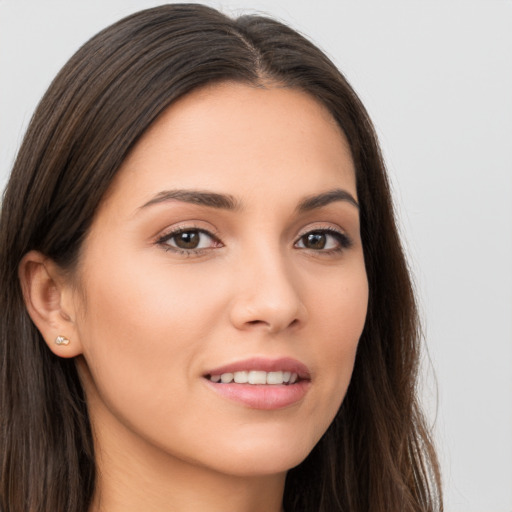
(199,197)
(228,202)
(326,198)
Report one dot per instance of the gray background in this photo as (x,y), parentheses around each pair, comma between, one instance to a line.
(436,77)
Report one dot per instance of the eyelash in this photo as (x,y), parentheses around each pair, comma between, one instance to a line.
(343,241)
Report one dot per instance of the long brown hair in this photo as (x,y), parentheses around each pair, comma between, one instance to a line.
(377,454)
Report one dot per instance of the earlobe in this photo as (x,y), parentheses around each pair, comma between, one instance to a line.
(44,288)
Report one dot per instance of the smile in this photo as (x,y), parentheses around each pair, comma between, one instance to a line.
(261,383)
(256,377)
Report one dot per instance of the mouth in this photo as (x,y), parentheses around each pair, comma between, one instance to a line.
(261,383)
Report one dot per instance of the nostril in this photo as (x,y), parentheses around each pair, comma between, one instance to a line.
(272,326)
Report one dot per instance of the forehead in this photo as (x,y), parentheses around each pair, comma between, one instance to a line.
(233,138)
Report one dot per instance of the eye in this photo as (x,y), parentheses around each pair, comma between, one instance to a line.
(189,240)
(326,240)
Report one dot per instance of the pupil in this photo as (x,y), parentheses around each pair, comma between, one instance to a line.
(315,240)
(187,240)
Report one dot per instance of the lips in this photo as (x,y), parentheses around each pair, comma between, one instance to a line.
(260,383)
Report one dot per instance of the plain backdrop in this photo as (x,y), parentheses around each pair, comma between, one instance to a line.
(436,77)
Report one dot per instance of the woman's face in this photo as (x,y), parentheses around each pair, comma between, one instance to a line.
(228,247)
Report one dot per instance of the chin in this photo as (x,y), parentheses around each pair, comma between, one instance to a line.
(259,457)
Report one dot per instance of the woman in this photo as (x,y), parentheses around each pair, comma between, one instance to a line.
(206,303)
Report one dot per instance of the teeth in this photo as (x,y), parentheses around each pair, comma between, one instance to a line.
(226,378)
(274,377)
(256,377)
(241,377)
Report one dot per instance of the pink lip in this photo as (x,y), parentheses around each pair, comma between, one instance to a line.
(264,397)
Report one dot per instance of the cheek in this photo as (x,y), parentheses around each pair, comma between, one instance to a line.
(143,326)
(340,313)
(144,300)
(341,308)
(142,336)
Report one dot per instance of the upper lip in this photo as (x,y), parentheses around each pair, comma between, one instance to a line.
(285,364)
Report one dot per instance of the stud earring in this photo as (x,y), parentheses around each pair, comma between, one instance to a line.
(61,340)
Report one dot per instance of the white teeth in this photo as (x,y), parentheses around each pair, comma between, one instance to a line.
(274,377)
(241,377)
(256,377)
(226,378)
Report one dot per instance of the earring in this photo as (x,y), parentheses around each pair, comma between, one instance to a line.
(61,340)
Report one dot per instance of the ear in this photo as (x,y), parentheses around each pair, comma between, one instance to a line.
(49,301)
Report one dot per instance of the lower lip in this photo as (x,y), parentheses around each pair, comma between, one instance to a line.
(265,397)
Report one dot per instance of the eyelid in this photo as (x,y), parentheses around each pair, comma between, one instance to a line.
(186,225)
(321,227)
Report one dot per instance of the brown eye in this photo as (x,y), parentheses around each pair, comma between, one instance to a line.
(187,240)
(315,240)
(324,240)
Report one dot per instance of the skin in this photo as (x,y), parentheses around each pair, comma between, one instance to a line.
(146,321)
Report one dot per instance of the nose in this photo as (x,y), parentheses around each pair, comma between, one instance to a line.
(267,296)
